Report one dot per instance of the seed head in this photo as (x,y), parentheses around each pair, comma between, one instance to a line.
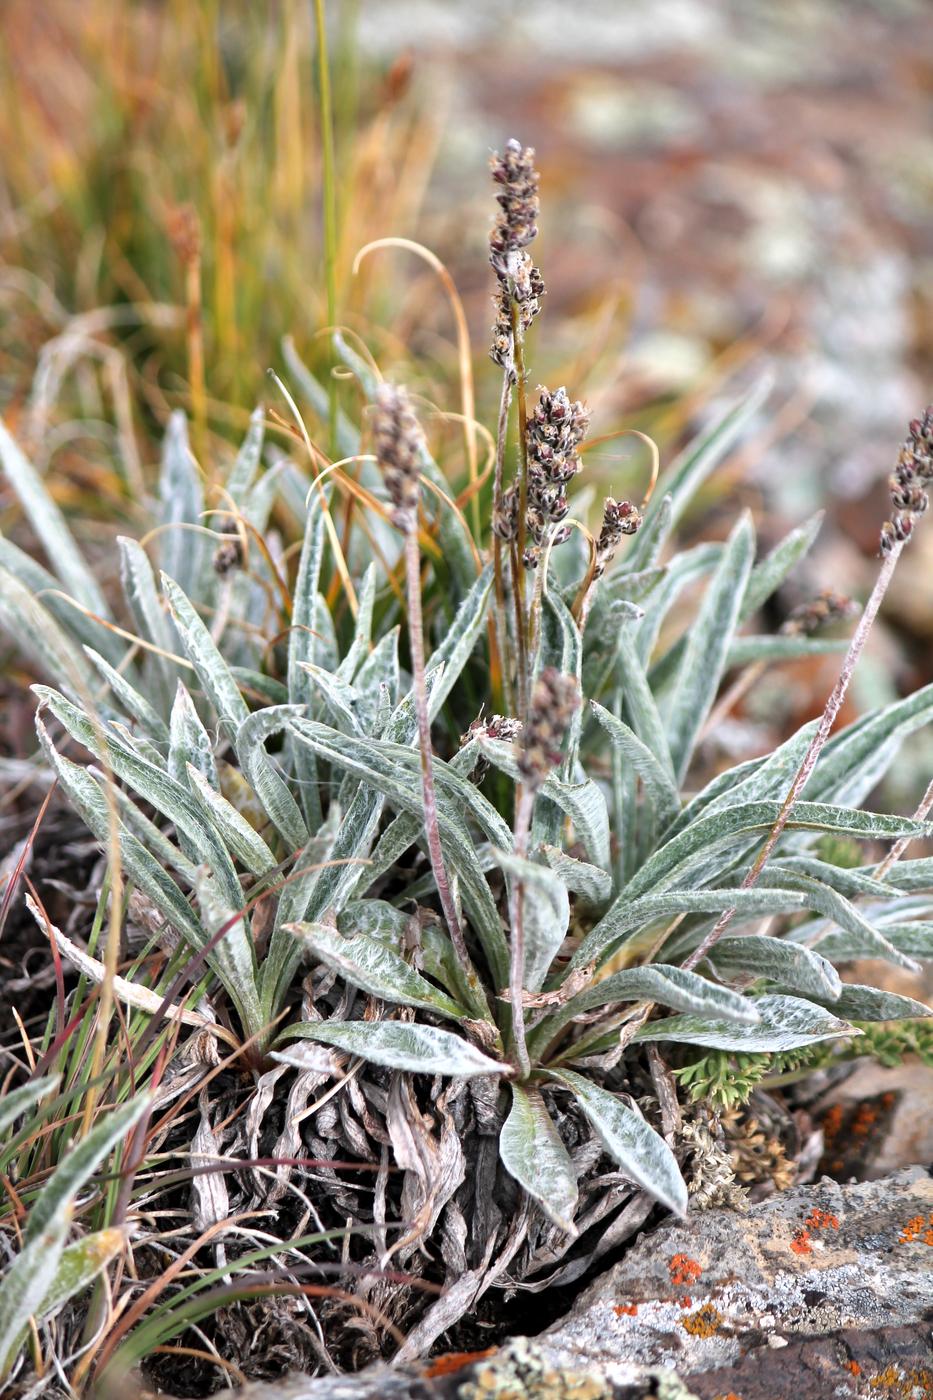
(819,612)
(229,552)
(516,224)
(398,442)
(555,431)
(619,518)
(554,701)
(910,481)
(515,227)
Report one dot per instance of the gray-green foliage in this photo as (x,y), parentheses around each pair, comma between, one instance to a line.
(273,761)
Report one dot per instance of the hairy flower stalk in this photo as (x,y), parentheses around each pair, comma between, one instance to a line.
(398,442)
(909,482)
(554,701)
(517,302)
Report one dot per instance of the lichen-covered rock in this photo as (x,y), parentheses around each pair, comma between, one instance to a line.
(722,1293)
(822,1291)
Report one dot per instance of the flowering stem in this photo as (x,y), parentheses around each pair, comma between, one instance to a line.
(525,807)
(518,581)
(428,792)
(900,846)
(811,757)
(502,630)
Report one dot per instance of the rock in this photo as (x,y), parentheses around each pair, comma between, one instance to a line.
(824,1290)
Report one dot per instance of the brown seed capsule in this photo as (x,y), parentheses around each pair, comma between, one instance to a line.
(823,610)
(398,442)
(909,481)
(554,701)
(619,518)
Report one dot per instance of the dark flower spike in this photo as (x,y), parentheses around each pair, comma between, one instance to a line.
(619,518)
(910,481)
(398,441)
(554,702)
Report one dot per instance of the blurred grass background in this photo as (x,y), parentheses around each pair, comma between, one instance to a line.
(729,186)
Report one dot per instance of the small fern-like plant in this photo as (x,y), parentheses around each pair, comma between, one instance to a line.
(498,931)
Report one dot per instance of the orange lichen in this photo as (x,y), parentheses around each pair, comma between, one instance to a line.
(821,1220)
(626,1309)
(917,1229)
(854,1367)
(904,1385)
(455,1361)
(686,1302)
(683,1269)
(832,1122)
(800,1244)
(705,1322)
(731,1396)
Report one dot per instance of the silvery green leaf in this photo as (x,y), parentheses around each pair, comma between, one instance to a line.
(641,1152)
(26,1283)
(49,523)
(153,785)
(785,1023)
(265,688)
(626,915)
(201,650)
(768,576)
(243,842)
(692,468)
(562,648)
(546,909)
(78,1266)
(260,772)
(150,621)
(402,1045)
(698,847)
(754,781)
(234,955)
(362,642)
(798,968)
(167,850)
(684,569)
(35,630)
(189,742)
(653,772)
(640,703)
(708,642)
(592,886)
(445,664)
(340,697)
(182,498)
(744,651)
(77,1165)
(394,771)
(860,1003)
(532,1152)
(675,987)
(38,581)
(381,668)
(913,940)
(583,803)
(368,963)
(836,907)
(326,650)
(332,874)
(855,761)
(243,471)
(377,919)
(914,874)
(89,801)
(301,648)
(15,1102)
(851,883)
(132,701)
